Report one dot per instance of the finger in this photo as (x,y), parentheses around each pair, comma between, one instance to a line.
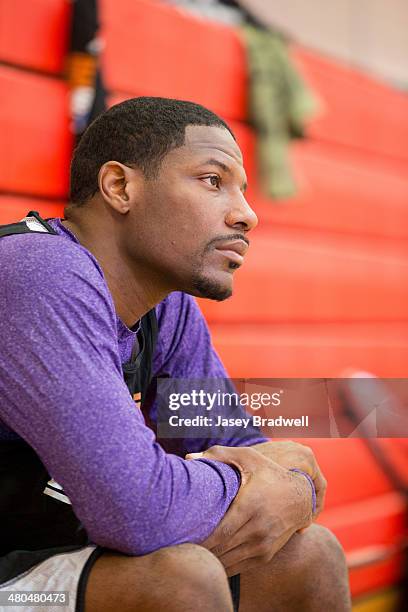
(243,566)
(320,484)
(312,488)
(237,516)
(239,554)
(251,534)
(238,538)
(306,526)
(321,487)
(247,554)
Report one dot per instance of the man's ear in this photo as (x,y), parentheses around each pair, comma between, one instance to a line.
(116,185)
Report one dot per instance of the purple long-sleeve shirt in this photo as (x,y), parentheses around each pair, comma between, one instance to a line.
(62,390)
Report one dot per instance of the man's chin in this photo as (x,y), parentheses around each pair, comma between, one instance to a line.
(211,289)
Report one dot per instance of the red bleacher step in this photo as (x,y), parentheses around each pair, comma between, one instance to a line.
(36,142)
(35,35)
(312,350)
(169,52)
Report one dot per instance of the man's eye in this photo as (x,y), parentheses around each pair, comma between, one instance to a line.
(214,180)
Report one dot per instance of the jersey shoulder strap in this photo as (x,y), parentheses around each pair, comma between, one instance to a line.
(31,224)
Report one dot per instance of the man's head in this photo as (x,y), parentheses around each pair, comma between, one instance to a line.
(168,177)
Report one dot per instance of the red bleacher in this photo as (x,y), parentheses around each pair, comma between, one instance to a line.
(312,350)
(359,111)
(324,287)
(36,141)
(16,207)
(298,275)
(173,55)
(34,37)
(341,190)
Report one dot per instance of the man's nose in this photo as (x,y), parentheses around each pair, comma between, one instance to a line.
(241,215)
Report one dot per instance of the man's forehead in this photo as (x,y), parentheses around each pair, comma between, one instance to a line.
(200,138)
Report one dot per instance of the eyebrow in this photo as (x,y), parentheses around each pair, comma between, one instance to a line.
(220,164)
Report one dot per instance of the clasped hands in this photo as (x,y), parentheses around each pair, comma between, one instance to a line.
(272,504)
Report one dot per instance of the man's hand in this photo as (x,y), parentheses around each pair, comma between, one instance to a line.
(290,454)
(271,505)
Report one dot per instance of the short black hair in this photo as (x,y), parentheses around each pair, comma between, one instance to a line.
(138,132)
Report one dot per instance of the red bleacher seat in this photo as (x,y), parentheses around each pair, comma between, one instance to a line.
(150,59)
(340,190)
(359,111)
(312,350)
(356,466)
(168,52)
(375,524)
(36,141)
(362,508)
(297,275)
(15,208)
(34,35)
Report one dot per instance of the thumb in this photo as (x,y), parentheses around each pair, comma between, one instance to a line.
(194,456)
(243,459)
(217,452)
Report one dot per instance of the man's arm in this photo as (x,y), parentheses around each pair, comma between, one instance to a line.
(185,351)
(62,390)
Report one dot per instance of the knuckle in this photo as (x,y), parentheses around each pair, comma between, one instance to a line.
(269,526)
(262,548)
(266,553)
(266,547)
(218,550)
(324,484)
(216,448)
(261,533)
(307,452)
(226,531)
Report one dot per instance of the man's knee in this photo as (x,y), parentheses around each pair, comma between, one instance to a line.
(321,570)
(308,573)
(196,575)
(192,566)
(309,553)
(321,548)
(184,577)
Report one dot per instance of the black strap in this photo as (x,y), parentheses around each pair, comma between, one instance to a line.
(22,228)
(138,372)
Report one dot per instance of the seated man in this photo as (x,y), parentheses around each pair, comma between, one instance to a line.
(90,502)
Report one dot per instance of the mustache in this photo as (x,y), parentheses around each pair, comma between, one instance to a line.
(226,238)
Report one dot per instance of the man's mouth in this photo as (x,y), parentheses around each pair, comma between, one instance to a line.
(234,250)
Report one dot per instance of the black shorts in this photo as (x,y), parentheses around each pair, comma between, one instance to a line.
(235,586)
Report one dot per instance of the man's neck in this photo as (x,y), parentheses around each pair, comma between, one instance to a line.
(134,291)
